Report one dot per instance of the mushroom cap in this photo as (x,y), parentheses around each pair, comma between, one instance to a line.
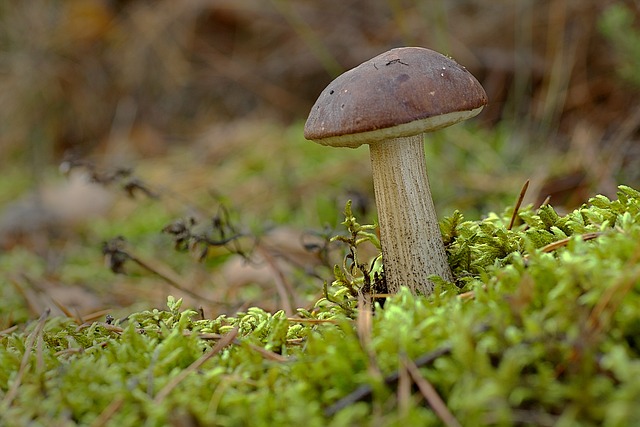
(402,92)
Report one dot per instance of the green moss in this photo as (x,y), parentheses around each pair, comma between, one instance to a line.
(531,335)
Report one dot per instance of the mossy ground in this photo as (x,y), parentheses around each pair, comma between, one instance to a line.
(542,328)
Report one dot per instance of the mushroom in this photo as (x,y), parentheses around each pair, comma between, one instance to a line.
(388,103)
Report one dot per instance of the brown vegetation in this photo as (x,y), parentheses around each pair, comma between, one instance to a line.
(78,72)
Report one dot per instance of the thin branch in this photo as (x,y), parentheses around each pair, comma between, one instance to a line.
(108,412)
(284,288)
(220,345)
(562,243)
(431,394)
(13,390)
(116,255)
(364,392)
(607,304)
(523,191)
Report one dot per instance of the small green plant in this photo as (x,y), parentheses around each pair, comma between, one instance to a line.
(355,276)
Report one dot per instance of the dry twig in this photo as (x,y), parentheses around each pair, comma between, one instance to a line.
(24,363)
(523,191)
(430,393)
(363,393)
(220,345)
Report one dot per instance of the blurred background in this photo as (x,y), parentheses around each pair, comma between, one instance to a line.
(196,107)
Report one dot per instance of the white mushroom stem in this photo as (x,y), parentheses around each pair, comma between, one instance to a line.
(412,247)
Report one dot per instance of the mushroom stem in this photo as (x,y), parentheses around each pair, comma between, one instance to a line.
(412,247)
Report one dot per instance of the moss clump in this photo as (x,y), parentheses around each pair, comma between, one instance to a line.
(542,328)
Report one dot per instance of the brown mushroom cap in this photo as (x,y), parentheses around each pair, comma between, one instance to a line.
(402,92)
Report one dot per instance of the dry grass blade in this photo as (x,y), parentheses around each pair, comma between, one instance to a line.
(364,327)
(28,296)
(284,288)
(546,201)
(403,390)
(430,393)
(364,321)
(13,389)
(269,355)
(224,341)
(77,318)
(317,321)
(96,315)
(364,392)
(113,328)
(9,331)
(470,294)
(613,296)
(561,243)
(108,412)
(163,271)
(523,191)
